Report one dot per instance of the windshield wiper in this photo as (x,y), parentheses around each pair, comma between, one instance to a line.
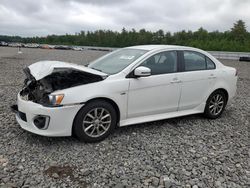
(96,69)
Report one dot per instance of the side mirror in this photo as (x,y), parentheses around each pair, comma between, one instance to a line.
(142,71)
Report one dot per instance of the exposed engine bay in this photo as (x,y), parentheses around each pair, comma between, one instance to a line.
(61,78)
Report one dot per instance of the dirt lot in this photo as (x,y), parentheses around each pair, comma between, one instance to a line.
(182,152)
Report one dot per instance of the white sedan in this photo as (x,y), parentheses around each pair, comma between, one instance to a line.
(128,86)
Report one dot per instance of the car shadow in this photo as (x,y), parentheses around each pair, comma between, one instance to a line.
(172,123)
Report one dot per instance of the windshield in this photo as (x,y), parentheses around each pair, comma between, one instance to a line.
(116,61)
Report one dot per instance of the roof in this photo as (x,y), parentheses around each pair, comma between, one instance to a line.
(159,46)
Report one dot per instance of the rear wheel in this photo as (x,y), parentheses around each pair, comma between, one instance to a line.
(215,105)
(95,121)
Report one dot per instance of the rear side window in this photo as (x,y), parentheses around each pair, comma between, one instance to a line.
(210,63)
(196,61)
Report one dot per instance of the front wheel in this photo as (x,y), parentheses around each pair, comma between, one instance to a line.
(95,121)
(215,105)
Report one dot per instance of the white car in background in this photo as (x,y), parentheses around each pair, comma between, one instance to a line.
(128,86)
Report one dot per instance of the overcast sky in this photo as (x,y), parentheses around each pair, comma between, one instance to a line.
(43,17)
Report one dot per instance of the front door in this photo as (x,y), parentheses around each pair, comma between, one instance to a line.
(158,93)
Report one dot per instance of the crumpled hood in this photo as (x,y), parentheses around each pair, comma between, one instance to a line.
(42,69)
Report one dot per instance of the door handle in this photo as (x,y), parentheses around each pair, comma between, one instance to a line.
(211,76)
(175,80)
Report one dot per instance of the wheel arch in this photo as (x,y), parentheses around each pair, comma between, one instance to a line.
(113,103)
(220,89)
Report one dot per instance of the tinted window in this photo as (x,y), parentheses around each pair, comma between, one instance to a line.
(161,63)
(210,63)
(194,61)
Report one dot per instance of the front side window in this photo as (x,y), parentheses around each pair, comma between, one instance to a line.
(117,61)
(162,63)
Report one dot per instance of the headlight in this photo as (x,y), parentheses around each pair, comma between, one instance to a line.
(56,99)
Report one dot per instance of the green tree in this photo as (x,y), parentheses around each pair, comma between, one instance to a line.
(237,39)
(239,31)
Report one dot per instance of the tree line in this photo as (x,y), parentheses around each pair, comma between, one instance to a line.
(236,39)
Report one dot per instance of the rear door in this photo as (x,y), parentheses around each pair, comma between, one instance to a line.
(198,77)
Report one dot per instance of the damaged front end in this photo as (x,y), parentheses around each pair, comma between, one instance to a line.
(39,91)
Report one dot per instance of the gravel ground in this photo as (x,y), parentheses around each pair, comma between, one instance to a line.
(183,152)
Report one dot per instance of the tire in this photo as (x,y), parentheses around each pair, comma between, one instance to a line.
(95,121)
(215,104)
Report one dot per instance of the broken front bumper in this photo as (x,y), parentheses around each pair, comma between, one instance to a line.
(59,120)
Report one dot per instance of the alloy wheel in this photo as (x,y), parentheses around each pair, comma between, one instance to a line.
(216,104)
(96,122)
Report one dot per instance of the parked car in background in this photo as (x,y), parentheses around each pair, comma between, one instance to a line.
(46,46)
(76,48)
(31,45)
(2,43)
(128,86)
(14,44)
(62,47)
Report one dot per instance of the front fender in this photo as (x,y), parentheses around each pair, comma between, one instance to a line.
(115,90)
